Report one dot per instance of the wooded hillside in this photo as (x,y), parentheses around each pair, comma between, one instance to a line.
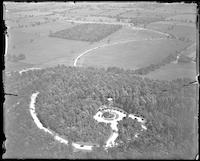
(70,96)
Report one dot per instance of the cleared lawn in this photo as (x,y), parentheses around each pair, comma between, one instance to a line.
(174,71)
(132,55)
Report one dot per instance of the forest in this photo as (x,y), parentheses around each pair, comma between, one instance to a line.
(70,96)
(87,32)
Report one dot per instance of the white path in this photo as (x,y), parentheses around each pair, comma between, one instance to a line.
(34,115)
(114,122)
(26,70)
(106,45)
(40,126)
(119,42)
(37,121)
(98,117)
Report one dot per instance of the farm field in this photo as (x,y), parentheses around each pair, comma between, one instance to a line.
(87,32)
(144,52)
(43,51)
(190,51)
(46,49)
(191,18)
(178,29)
(174,71)
(82,57)
(45,29)
(10,66)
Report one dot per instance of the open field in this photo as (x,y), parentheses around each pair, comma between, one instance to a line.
(190,51)
(46,49)
(17,66)
(191,18)
(184,31)
(45,29)
(122,55)
(174,71)
(87,32)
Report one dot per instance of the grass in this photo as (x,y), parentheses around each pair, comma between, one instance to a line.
(132,55)
(174,71)
(183,18)
(44,49)
(87,32)
(180,29)
(10,66)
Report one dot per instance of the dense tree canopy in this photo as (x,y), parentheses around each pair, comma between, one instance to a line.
(70,96)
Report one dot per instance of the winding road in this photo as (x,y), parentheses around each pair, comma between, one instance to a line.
(106,45)
(119,42)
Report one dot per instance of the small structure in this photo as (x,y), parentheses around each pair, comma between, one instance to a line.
(84,145)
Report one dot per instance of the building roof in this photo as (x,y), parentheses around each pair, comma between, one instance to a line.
(116,108)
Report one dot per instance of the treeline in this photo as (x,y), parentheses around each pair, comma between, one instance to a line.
(87,32)
(152,67)
(70,96)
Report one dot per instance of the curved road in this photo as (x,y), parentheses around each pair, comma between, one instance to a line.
(119,42)
(106,45)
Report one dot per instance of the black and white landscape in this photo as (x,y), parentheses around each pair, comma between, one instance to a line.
(100,80)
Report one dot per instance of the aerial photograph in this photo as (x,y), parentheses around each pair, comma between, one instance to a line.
(100,80)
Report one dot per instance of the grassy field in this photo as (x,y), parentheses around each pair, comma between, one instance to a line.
(132,55)
(174,71)
(87,32)
(126,33)
(111,12)
(10,66)
(178,29)
(191,18)
(44,29)
(190,51)
(38,48)
(46,49)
